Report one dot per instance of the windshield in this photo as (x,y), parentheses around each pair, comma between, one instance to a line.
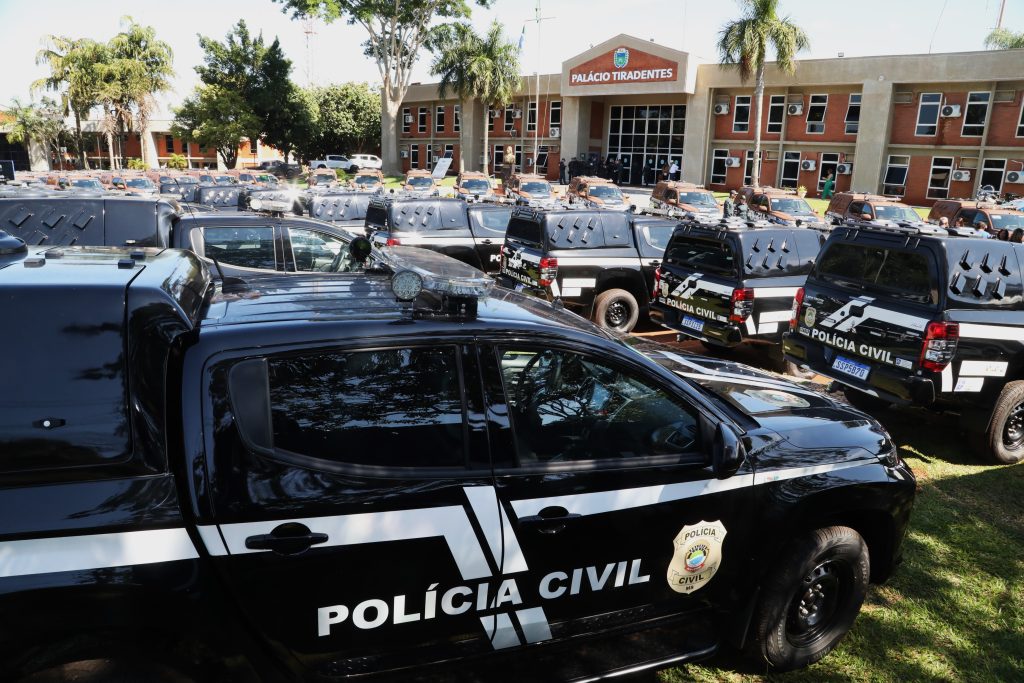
(367,180)
(888,212)
(698,199)
(477,185)
(658,236)
(701,254)
(187,180)
(1008,221)
(141,183)
(536,187)
(606,193)
(791,205)
(898,273)
(91,183)
(224,180)
(420,182)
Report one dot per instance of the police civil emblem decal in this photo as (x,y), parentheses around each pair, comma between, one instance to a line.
(697,556)
(620,58)
(810,315)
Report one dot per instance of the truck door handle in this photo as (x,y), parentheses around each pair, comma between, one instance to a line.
(550,520)
(486,242)
(655,262)
(287,539)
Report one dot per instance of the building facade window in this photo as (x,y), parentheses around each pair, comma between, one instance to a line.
(492,114)
(975,114)
(449,151)
(407,120)
(928,114)
(895,181)
(748,168)
(457,118)
(790,176)
(853,114)
(641,133)
(414,156)
(992,174)
(542,159)
(1020,120)
(938,179)
(169,143)
(422,123)
(499,156)
(439,120)
(718,168)
(776,113)
(510,118)
(531,117)
(816,114)
(429,165)
(741,114)
(827,164)
(555,114)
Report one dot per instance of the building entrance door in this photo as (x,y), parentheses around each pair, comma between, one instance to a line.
(643,132)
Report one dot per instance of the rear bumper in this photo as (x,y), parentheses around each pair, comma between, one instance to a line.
(887,383)
(714,331)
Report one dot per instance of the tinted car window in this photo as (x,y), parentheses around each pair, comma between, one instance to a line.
(385,408)
(478,185)
(606,193)
(525,230)
(248,247)
(141,183)
(567,407)
(790,205)
(1007,220)
(657,236)
(493,222)
(316,251)
(536,188)
(697,199)
(704,254)
(900,273)
(889,212)
(421,182)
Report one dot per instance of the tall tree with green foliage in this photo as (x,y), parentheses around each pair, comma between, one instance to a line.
(291,126)
(1004,39)
(397,31)
(453,46)
(41,123)
(349,119)
(215,117)
(74,74)
(744,43)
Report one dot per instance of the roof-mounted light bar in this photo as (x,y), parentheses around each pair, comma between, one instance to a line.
(435,272)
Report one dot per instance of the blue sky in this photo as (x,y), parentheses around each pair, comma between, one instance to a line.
(872,27)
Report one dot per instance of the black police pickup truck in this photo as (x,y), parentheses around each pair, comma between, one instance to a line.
(240,243)
(924,316)
(395,471)
(599,263)
(730,281)
(471,233)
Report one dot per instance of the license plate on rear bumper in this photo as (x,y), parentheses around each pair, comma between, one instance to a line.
(851,367)
(695,324)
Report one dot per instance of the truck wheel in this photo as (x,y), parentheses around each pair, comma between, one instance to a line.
(787,366)
(1004,437)
(322,166)
(865,402)
(811,598)
(616,310)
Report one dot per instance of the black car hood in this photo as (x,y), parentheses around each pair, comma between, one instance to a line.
(803,415)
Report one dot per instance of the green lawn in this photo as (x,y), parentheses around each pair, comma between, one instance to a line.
(820,205)
(955,610)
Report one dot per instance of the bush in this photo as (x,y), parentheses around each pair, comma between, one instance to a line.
(136,164)
(178,161)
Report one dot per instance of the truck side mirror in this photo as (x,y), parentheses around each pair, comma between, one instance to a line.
(727,451)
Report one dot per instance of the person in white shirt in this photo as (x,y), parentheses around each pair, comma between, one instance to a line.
(673,171)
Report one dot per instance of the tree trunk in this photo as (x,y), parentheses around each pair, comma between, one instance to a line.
(390,106)
(110,148)
(755,171)
(487,146)
(80,142)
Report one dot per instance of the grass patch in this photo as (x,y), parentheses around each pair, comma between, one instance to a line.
(954,611)
(820,205)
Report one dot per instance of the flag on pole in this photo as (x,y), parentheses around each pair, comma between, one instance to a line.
(522,38)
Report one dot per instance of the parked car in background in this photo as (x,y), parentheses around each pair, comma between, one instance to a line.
(672,198)
(999,220)
(858,206)
(419,182)
(528,187)
(473,186)
(780,206)
(598,193)
(367,179)
(349,164)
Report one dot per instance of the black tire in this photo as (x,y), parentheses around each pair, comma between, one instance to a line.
(616,309)
(1004,437)
(322,166)
(810,599)
(865,402)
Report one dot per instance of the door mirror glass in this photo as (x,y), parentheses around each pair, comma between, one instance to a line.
(727,452)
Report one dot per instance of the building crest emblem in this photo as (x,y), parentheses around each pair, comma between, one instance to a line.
(620,58)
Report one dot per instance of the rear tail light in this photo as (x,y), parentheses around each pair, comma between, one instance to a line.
(393,242)
(798,301)
(741,305)
(939,345)
(548,271)
(657,283)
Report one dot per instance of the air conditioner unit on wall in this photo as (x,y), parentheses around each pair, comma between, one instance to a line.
(795,109)
(808,165)
(844,169)
(404,154)
(732,162)
(721,109)
(495,113)
(1015,177)
(408,118)
(555,132)
(950,111)
(961,176)
(517,113)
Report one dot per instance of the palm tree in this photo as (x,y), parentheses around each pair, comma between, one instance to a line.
(485,67)
(1004,39)
(39,123)
(74,74)
(744,44)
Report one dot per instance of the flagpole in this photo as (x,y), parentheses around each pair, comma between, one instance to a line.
(536,128)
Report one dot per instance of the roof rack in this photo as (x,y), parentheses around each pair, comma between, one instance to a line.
(917,229)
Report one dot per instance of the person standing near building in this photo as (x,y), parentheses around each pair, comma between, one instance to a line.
(741,207)
(673,171)
(729,205)
(562,180)
(829,186)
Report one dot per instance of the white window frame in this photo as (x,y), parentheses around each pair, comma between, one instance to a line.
(811,104)
(457,118)
(1020,120)
(510,123)
(499,151)
(790,156)
(531,117)
(717,154)
(776,102)
(849,107)
(517,157)
(748,167)
(917,121)
(430,158)
(967,105)
(421,121)
(414,156)
(735,112)
(406,124)
(1002,173)
(553,106)
(889,163)
(826,158)
(931,172)
(439,119)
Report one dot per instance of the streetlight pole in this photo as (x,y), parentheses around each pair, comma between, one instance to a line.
(537,18)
